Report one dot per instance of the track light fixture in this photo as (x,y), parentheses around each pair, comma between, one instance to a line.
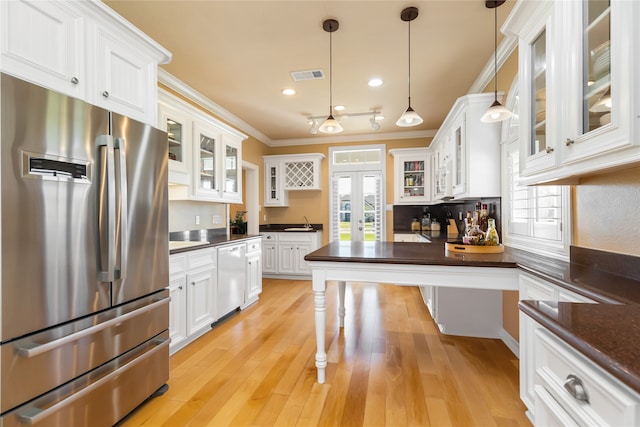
(330,125)
(314,121)
(497,112)
(409,117)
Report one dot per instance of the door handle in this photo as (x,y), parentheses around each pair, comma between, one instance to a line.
(106,208)
(122,208)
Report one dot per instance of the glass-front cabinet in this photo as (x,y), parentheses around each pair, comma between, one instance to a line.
(412,175)
(579,97)
(206,181)
(232,189)
(603,112)
(274,191)
(205,155)
(178,127)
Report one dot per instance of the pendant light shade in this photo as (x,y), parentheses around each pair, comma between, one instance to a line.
(497,112)
(330,125)
(409,117)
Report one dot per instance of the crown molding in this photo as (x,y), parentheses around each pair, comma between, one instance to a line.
(355,138)
(505,49)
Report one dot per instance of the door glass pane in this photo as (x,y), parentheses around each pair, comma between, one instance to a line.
(596,106)
(174,134)
(458,154)
(207,162)
(231,170)
(344,197)
(370,208)
(539,94)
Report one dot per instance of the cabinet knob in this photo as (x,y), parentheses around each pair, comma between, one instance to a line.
(576,388)
(105,94)
(193,283)
(74,80)
(180,287)
(549,150)
(569,141)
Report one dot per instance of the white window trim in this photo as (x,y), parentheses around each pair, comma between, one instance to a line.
(558,249)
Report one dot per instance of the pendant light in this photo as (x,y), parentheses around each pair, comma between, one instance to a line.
(497,112)
(330,125)
(409,117)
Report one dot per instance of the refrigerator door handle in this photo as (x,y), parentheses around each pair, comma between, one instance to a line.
(40,349)
(123,209)
(106,208)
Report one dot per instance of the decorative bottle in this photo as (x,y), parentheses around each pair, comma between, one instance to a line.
(491,238)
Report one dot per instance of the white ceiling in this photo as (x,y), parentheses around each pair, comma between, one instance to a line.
(239,54)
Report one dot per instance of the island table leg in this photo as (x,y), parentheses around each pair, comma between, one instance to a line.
(320,306)
(341,311)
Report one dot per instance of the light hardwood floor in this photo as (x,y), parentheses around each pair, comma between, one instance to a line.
(389,367)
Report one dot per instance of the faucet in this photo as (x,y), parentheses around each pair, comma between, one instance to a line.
(306,223)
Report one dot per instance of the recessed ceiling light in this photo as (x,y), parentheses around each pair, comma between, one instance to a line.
(339,107)
(288,92)
(375,82)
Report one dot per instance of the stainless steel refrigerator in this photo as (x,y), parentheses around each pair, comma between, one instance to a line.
(84,260)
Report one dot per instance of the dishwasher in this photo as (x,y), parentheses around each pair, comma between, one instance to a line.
(232,278)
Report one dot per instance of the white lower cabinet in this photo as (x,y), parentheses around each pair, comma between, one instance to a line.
(535,288)
(254,271)
(192,286)
(572,390)
(284,252)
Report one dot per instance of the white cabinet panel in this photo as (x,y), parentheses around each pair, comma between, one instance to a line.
(200,297)
(284,252)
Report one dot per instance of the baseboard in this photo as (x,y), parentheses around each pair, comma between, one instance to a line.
(510,342)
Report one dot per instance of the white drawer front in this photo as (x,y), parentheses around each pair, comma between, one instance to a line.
(177,265)
(536,289)
(254,246)
(609,401)
(269,237)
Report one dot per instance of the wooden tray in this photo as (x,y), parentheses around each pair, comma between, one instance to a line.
(473,249)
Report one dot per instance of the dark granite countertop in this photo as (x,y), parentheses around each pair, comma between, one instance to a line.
(211,241)
(608,334)
(276,228)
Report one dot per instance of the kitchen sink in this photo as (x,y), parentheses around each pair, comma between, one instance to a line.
(299,229)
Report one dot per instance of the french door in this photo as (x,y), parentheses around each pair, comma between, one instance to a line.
(356,206)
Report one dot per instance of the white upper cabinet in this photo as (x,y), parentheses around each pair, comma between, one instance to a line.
(205,155)
(579,102)
(466,151)
(290,172)
(84,50)
(412,175)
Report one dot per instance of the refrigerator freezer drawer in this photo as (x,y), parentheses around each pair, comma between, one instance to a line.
(102,397)
(35,364)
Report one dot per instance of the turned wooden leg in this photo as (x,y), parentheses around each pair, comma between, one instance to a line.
(320,307)
(341,310)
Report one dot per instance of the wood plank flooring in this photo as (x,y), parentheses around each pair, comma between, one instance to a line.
(389,367)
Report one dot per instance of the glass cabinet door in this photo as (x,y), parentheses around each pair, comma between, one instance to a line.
(596,84)
(207,163)
(175,137)
(231,170)
(414,182)
(538,141)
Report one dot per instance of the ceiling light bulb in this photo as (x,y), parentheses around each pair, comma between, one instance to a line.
(409,118)
(330,125)
(339,108)
(288,92)
(496,113)
(375,82)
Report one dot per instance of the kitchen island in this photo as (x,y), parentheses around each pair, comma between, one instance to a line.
(404,264)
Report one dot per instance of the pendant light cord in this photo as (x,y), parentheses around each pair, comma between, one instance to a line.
(495,53)
(409,63)
(331,73)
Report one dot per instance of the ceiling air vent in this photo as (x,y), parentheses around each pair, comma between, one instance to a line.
(307,75)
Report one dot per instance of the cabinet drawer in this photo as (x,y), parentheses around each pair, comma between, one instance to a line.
(269,237)
(607,401)
(202,258)
(304,236)
(177,265)
(254,246)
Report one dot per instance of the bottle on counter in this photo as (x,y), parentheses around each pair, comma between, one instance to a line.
(484,218)
(491,237)
(476,214)
(468,223)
